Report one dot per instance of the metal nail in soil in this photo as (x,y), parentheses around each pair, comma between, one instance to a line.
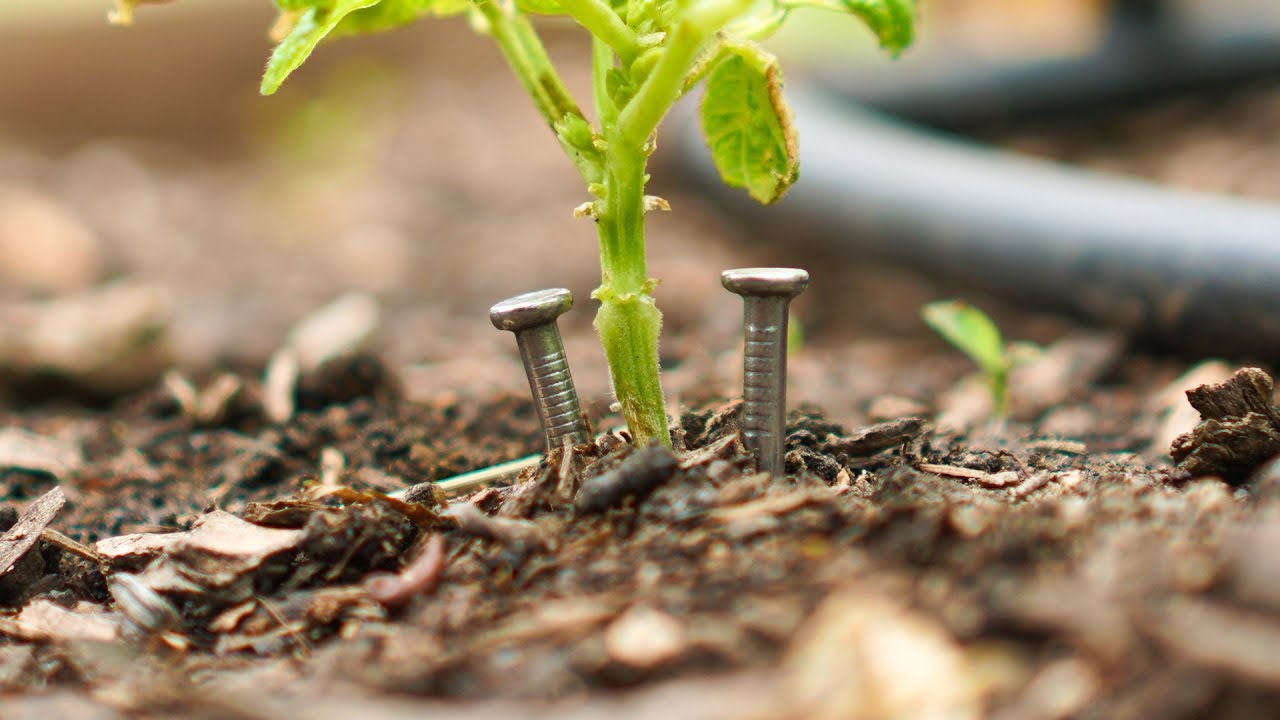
(532,317)
(766,294)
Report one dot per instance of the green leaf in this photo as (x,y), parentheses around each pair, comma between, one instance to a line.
(893,21)
(392,14)
(971,331)
(310,28)
(747,123)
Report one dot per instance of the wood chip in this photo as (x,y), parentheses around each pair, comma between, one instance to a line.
(721,448)
(24,450)
(237,545)
(22,537)
(45,621)
(873,439)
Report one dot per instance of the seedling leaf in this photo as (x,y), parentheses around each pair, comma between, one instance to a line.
(392,14)
(308,30)
(893,21)
(970,331)
(747,123)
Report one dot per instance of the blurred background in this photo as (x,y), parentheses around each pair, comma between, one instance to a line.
(155,211)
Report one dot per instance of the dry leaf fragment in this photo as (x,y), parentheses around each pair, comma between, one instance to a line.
(421,515)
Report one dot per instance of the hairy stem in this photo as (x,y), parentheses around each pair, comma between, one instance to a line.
(601,64)
(628,321)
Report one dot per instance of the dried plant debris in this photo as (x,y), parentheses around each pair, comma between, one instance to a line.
(1238,432)
(18,566)
(46,621)
(872,439)
(614,574)
(637,475)
(224,560)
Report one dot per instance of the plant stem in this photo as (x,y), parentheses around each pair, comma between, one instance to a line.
(601,64)
(628,320)
(604,24)
(660,90)
(528,59)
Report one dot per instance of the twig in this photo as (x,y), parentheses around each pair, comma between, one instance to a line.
(66,544)
(1022,466)
(292,629)
(953,471)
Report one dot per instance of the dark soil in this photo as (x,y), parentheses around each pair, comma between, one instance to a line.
(921,559)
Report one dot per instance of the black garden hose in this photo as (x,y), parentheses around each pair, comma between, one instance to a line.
(1146,53)
(1192,272)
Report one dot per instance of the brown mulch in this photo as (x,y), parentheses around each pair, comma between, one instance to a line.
(921,560)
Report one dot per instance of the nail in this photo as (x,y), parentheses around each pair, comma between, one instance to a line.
(766,295)
(532,317)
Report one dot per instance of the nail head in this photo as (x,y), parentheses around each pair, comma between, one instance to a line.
(531,309)
(786,282)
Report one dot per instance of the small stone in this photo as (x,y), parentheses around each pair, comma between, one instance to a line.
(866,655)
(44,247)
(645,638)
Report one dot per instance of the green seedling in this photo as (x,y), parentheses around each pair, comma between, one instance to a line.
(645,55)
(975,334)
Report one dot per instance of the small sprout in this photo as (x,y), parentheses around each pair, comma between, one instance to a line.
(975,334)
(645,55)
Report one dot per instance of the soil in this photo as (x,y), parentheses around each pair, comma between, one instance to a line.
(200,556)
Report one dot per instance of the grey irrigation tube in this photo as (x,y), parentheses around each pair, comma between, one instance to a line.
(1193,272)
